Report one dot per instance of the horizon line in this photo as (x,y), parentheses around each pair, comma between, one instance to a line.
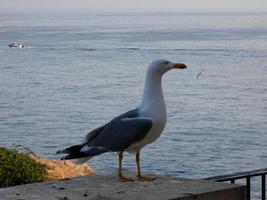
(143,11)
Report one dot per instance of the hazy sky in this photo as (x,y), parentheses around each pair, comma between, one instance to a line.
(134,5)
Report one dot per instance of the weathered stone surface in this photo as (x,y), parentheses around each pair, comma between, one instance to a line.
(108,188)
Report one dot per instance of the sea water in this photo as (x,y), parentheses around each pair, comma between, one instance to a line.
(78,71)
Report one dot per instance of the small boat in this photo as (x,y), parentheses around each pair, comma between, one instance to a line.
(16,45)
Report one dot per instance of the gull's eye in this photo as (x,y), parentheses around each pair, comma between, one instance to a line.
(166,62)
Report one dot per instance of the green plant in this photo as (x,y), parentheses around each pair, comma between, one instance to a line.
(18,168)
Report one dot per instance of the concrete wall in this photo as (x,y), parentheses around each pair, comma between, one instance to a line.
(108,188)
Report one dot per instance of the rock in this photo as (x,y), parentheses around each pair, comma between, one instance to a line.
(62,169)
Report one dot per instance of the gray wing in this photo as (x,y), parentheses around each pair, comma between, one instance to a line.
(121,132)
(117,135)
(91,135)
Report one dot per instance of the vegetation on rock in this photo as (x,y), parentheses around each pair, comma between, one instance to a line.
(18,168)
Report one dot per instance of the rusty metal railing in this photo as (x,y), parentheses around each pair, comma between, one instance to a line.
(247,176)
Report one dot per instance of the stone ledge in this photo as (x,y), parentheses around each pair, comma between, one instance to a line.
(108,188)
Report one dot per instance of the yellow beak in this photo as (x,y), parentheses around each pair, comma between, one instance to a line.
(179,66)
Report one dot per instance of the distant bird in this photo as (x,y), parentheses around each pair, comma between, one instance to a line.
(132,130)
(198,75)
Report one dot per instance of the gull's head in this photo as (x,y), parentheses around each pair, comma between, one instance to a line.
(161,66)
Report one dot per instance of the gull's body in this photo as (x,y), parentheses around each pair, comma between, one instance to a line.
(152,107)
(132,130)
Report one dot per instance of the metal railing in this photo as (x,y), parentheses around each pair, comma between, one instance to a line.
(247,176)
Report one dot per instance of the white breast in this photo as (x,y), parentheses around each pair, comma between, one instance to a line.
(155,110)
(153,107)
(158,115)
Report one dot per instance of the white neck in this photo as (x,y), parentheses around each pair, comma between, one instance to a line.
(153,95)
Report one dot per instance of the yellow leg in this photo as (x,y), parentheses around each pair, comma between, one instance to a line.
(139,175)
(122,178)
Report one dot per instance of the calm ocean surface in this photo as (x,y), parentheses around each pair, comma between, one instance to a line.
(79,71)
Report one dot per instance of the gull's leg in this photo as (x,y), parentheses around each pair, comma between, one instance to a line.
(139,175)
(122,178)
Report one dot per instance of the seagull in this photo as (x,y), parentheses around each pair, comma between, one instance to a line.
(198,75)
(132,130)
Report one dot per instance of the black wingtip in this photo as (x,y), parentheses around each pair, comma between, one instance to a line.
(59,152)
(67,157)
